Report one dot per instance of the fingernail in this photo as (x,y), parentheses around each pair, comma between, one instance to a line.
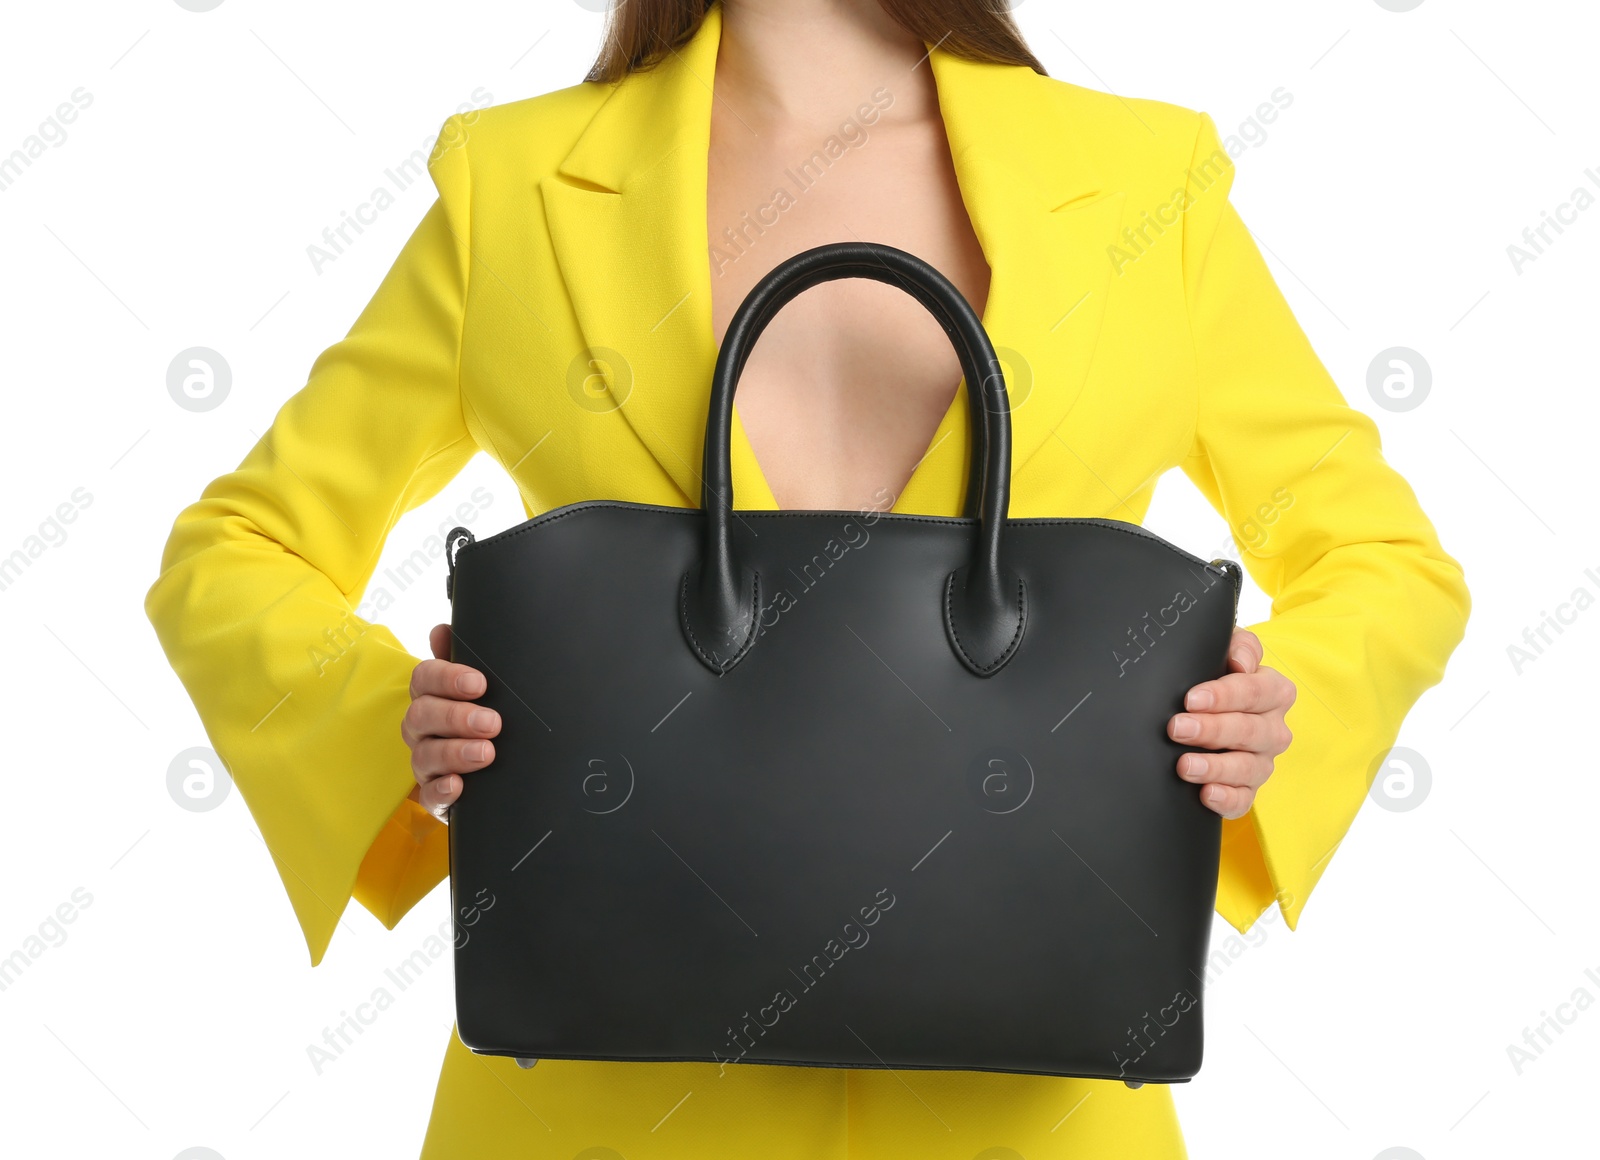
(1200,699)
(1197,766)
(1214,795)
(1242,658)
(478,751)
(481,720)
(470,683)
(1184,726)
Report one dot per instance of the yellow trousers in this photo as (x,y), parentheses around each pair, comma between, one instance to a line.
(582,1110)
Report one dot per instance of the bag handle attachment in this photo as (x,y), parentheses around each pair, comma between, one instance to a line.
(453,543)
(985,604)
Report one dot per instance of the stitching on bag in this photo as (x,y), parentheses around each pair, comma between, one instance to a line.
(764,1061)
(539,522)
(950,626)
(694,641)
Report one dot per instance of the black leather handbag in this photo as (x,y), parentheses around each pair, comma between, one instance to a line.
(837,789)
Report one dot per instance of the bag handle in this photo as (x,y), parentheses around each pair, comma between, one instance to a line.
(985,605)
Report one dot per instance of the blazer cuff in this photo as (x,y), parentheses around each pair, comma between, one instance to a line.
(1245,887)
(409,857)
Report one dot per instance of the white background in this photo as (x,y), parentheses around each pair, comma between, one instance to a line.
(218,146)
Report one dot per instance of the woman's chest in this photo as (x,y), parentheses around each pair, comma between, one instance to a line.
(849,382)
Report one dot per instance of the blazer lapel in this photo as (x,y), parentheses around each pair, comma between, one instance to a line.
(627,214)
(627,217)
(1044,217)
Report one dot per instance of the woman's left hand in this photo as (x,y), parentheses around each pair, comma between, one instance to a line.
(1241,713)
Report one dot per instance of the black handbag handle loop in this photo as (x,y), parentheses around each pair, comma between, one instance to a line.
(985,605)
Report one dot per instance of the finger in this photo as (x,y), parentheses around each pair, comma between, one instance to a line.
(1256,692)
(438,795)
(1235,767)
(1245,651)
(439,642)
(1257,732)
(1229,801)
(439,756)
(447,679)
(430,716)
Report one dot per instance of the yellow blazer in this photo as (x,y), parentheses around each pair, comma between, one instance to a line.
(1142,332)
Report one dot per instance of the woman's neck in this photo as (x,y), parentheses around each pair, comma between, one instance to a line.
(807,62)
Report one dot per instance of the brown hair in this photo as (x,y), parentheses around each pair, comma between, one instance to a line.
(639,33)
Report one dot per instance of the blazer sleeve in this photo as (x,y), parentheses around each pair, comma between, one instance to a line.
(1366,605)
(260,580)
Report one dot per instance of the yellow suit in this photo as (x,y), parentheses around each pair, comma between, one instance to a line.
(1141,331)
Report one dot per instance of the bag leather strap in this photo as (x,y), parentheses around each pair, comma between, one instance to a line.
(985,605)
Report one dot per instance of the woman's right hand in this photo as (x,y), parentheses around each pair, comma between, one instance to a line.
(447,734)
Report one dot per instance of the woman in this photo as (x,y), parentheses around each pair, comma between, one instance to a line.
(560,307)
